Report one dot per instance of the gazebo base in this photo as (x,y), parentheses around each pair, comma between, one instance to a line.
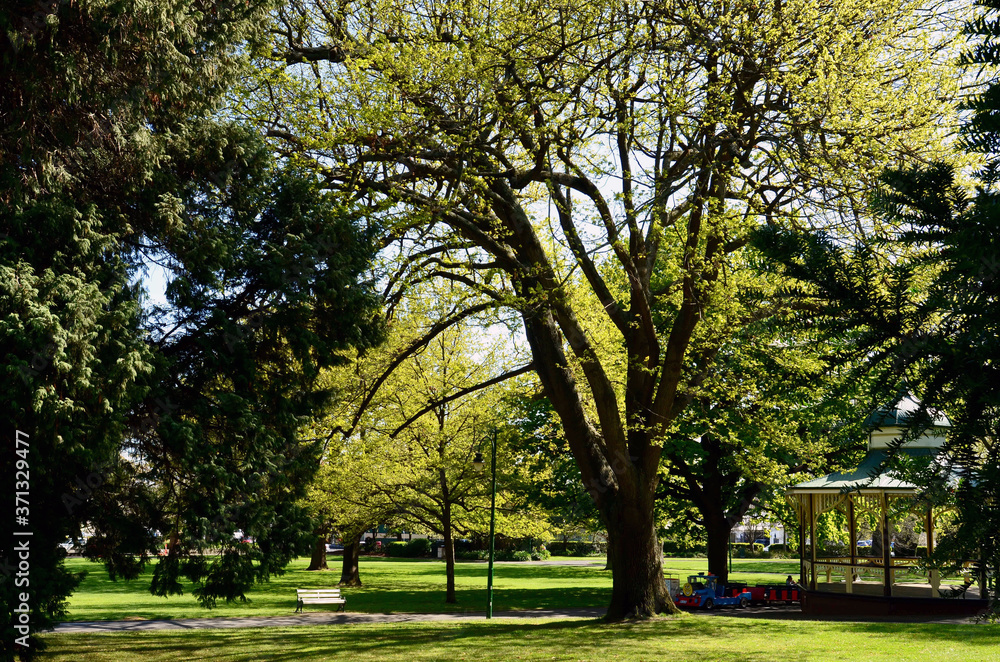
(820,603)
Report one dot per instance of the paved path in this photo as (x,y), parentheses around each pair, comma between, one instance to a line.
(329,618)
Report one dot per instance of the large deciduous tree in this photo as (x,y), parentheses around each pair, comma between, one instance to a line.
(655,135)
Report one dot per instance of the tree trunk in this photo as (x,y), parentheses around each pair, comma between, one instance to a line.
(634,553)
(449,556)
(318,561)
(609,565)
(877,540)
(618,465)
(718,530)
(349,573)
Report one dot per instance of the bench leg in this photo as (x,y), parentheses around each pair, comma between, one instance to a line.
(343,607)
(298,606)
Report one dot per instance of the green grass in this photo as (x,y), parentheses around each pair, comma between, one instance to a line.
(390,585)
(698,638)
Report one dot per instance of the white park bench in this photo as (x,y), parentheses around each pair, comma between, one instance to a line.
(319,596)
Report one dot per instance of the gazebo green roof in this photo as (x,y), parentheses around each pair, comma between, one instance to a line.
(865,477)
(900,414)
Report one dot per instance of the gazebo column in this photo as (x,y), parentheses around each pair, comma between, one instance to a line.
(886,547)
(812,542)
(852,527)
(935,575)
(802,540)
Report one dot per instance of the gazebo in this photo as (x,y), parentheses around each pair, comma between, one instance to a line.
(832,583)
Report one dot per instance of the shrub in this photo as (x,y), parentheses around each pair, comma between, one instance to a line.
(576,548)
(418,547)
(512,555)
(833,548)
(589,549)
(673,548)
(540,554)
(747,550)
(396,548)
(781,551)
(472,554)
(372,546)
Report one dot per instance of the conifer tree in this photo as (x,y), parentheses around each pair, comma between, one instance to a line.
(141,420)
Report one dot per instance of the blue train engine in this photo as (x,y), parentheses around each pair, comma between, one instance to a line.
(705,592)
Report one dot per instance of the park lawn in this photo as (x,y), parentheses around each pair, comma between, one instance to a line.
(702,638)
(390,585)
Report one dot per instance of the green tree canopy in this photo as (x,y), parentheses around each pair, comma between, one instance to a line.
(141,419)
(663,133)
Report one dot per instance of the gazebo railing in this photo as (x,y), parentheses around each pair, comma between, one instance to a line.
(845,568)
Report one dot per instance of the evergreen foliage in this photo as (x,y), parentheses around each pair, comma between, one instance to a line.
(921,306)
(181,420)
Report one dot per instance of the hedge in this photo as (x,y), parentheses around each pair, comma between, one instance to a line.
(744,549)
(673,548)
(419,547)
(502,555)
(576,548)
(472,554)
(413,548)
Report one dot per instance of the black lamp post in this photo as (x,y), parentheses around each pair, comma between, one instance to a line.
(478,463)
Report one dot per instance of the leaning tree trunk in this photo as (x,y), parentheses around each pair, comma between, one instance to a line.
(350,574)
(318,561)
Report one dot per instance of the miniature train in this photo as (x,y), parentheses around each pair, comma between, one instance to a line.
(705,592)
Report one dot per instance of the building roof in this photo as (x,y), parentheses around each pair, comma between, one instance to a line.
(899,415)
(865,477)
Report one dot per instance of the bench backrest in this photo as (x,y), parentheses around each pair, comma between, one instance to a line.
(318,592)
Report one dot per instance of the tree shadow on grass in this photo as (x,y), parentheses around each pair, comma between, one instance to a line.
(705,639)
(474,600)
(309,643)
(966,633)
